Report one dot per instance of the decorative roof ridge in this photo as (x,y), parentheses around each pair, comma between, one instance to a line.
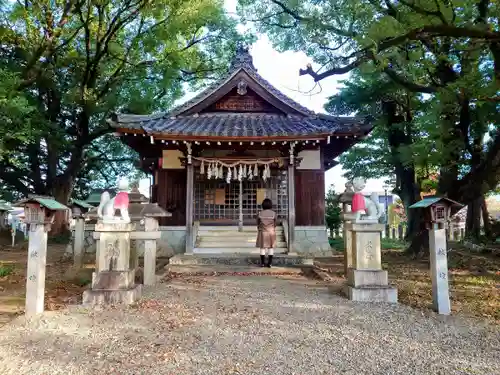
(125,117)
(228,114)
(241,61)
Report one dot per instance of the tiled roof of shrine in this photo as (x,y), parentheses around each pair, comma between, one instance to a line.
(244,125)
(192,119)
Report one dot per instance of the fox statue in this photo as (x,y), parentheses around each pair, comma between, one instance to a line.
(108,206)
(370,206)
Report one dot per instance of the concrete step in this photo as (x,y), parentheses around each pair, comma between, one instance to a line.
(234,250)
(232,243)
(239,259)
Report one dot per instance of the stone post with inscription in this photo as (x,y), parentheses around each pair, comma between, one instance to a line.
(152,229)
(79,240)
(39,214)
(439,271)
(366,280)
(437,212)
(35,275)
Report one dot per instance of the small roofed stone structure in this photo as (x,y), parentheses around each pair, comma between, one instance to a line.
(39,215)
(79,207)
(5,208)
(217,156)
(437,213)
(145,216)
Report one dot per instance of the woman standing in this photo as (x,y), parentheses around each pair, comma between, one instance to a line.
(266,232)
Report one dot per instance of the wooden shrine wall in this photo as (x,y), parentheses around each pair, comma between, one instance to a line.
(170,192)
(309,197)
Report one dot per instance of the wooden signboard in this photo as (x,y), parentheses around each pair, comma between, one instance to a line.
(261,195)
(220,196)
(170,159)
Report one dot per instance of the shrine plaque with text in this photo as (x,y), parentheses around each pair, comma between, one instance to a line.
(239,103)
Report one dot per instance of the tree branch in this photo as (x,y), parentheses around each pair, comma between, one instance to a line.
(425,32)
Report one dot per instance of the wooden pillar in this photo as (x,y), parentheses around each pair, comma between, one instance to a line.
(291,207)
(189,208)
(240,207)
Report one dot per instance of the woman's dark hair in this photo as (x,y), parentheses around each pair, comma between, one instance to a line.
(267,204)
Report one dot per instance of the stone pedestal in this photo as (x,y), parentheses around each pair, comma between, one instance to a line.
(366,281)
(439,271)
(113,281)
(35,276)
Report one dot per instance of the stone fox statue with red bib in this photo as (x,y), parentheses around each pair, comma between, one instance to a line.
(108,206)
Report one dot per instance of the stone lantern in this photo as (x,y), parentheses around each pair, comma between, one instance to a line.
(437,212)
(39,212)
(78,209)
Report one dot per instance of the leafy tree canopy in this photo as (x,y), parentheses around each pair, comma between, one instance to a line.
(69,64)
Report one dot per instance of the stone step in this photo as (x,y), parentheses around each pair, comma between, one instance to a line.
(219,233)
(234,250)
(231,242)
(221,269)
(231,228)
(239,259)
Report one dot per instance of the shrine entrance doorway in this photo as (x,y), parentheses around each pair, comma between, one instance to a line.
(217,202)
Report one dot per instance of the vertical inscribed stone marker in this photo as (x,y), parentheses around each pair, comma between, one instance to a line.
(39,215)
(150,227)
(439,271)
(437,213)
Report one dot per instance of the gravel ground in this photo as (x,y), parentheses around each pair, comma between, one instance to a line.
(248,325)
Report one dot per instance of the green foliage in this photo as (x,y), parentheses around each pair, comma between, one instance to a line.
(392,244)
(337,243)
(67,66)
(428,72)
(6,270)
(332,210)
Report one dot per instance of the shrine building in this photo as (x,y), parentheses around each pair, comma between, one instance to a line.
(216,157)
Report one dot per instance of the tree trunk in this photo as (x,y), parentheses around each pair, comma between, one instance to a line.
(407,188)
(473,221)
(486,220)
(62,190)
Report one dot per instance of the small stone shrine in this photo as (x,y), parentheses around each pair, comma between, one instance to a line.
(437,214)
(366,280)
(113,280)
(116,258)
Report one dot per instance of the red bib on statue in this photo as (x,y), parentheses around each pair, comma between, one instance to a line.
(358,202)
(121,200)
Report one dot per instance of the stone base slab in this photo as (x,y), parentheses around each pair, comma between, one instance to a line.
(372,294)
(113,280)
(111,297)
(361,278)
(282,260)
